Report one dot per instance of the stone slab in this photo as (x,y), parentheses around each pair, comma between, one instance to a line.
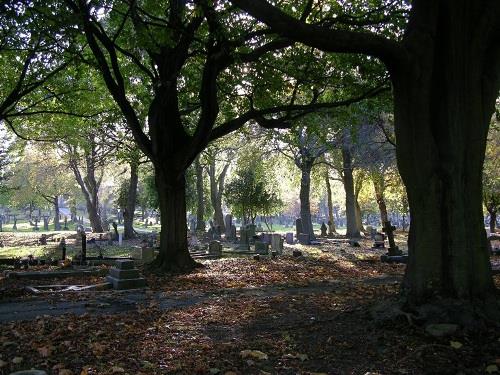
(394,259)
(122,284)
(35,275)
(124,264)
(124,274)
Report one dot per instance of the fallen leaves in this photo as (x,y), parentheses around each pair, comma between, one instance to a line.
(254,354)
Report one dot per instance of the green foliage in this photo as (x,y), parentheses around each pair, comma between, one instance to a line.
(252,191)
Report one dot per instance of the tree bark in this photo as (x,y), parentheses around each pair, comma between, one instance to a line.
(57,223)
(305,205)
(350,198)
(379,187)
(443,105)
(128,212)
(331,220)
(493,220)
(200,207)
(216,192)
(174,255)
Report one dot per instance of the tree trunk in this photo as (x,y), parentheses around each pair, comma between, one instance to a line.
(57,224)
(331,220)
(379,187)
(128,212)
(443,105)
(174,254)
(216,191)
(493,221)
(350,199)
(305,205)
(200,207)
(359,221)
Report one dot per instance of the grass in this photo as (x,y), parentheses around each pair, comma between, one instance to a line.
(51,251)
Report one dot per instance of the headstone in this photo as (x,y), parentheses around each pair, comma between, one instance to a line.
(251,231)
(298,227)
(192,225)
(324,230)
(145,254)
(266,238)
(277,243)
(389,231)
(62,247)
(228,223)
(261,248)
(124,275)
(289,238)
(244,240)
(120,239)
(84,247)
(215,248)
(304,239)
(43,239)
(379,239)
(233,233)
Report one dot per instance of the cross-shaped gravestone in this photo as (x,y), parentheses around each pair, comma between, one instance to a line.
(388,229)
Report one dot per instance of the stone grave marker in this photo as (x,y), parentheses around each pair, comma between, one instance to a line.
(304,239)
(298,227)
(379,239)
(324,230)
(215,248)
(228,223)
(277,243)
(244,240)
(124,275)
(261,248)
(389,231)
(233,233)
(251,231)
(289,238)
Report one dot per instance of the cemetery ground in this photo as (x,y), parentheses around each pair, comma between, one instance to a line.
(332,310)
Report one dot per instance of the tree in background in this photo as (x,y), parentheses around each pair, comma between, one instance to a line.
(252,191)
(491,177)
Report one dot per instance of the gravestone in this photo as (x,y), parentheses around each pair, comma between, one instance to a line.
(84,248)
(228,223)
(266,238)
(251,231)
(261,248)
(379,239)
(244,240)
(289,238)
(389,231)
(43,239)
(233,233)
(298,227)
(192,225)
(215,248)
(324,229)
(62,247)
(124,275)
(277,243)
(145,254)
(304,239)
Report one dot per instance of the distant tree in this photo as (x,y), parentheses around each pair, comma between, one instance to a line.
(491,176)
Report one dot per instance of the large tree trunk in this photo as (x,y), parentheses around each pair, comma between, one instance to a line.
(350,198)
(443,106)
(57,224)
(174,255)
(331,220)
(305,205)
(128,213)
(200,207)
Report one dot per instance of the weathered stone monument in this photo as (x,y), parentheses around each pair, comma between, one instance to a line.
(289,238)
(388,229)
(379,241)
(277,243)
(304,239)
(228,223)
(215,248)
(251,231)
(244,240)
(324,230)
(298,227)
(124,275)
(261,248)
